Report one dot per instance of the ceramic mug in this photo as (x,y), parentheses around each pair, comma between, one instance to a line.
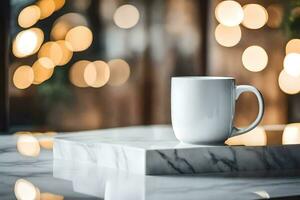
(203,108)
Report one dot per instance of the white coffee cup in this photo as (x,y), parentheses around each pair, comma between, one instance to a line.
(203,108)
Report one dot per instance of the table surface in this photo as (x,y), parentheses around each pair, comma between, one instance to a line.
(91,182)
(154,150)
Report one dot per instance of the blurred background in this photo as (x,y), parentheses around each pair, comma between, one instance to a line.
(90,64)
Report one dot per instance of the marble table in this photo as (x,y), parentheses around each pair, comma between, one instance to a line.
(71,180)
(154,150)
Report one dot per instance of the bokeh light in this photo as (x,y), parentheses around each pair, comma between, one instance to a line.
(67,52)
(255,58)
(80,38)
(43,69)
(29,16)
(46,142)
(275,12)
(293,46)
(52,51)
(59,4)
(76,73)
(228,36)
(291,134)
(27,42)
(255,16)
(255,137)
(126,16)
(28,145)
(51,196)
(119,72)
(60,30)
(46,62)
(295,12)
(25,190)
(291,64)
(288,84)
(23,77)
(47,7)
(96,74)
(66,22)
(229,13)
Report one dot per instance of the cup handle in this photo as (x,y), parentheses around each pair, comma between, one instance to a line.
(247,88)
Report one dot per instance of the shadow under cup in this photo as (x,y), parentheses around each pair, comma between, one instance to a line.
(202,109)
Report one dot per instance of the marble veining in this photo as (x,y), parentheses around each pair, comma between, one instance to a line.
(78,180)
(112,184)
(154,150)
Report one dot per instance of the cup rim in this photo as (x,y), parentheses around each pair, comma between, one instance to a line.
(203,77)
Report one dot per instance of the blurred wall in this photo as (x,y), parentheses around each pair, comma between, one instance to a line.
(224,61)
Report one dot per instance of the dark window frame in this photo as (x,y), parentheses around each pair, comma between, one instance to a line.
(4,60)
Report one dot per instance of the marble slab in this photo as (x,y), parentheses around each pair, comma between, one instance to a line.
(154,150)
(106,183)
